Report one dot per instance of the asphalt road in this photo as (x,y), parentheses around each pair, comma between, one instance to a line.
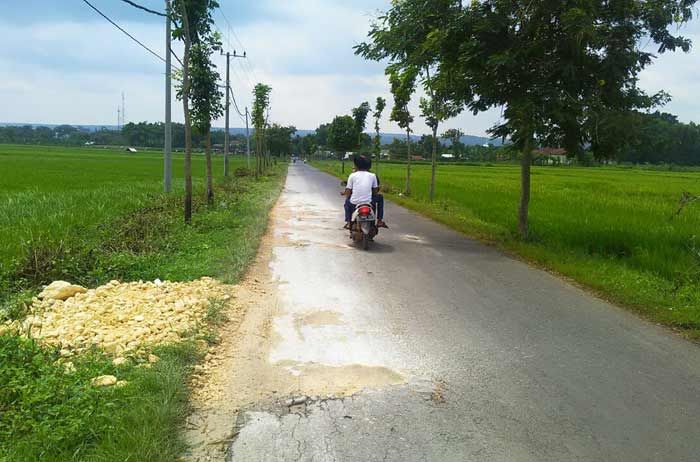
(500,361)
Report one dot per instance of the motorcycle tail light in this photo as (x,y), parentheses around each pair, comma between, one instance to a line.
(364,211)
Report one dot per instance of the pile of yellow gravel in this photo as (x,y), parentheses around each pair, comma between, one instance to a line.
(120,317)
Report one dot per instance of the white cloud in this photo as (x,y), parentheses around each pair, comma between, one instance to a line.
(74,72)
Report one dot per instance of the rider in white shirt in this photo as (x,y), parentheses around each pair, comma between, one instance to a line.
(361,188)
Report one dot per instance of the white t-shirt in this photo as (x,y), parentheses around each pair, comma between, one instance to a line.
(361,183)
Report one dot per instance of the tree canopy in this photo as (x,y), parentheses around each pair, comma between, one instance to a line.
(342,134)
(560,70)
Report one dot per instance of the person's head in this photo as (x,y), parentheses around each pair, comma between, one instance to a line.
(362,163)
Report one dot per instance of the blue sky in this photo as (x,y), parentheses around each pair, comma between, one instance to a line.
(62,63)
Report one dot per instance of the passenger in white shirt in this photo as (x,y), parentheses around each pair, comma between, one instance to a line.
(361,188)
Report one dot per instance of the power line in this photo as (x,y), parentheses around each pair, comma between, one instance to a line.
(124,31)
(236,105)
(177,57)
(148,10)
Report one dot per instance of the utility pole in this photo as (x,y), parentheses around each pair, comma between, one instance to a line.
(168,146)
(228,104)
(247,137)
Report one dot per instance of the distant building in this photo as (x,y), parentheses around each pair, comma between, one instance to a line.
(89,143)
(448,156)
(552,156)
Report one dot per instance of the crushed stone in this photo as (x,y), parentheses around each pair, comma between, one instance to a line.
(121,317)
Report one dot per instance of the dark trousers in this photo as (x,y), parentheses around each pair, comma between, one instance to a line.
(377,201)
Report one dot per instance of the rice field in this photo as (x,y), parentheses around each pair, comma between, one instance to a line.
(614,230)
(87,215)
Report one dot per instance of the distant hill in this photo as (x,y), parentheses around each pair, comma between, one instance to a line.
(387,138)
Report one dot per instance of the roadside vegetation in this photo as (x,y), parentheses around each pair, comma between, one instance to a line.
(613,230)
(90,216)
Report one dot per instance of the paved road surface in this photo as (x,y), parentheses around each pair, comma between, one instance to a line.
(500,361)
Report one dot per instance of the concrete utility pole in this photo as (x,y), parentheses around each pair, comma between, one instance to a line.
(247,137)
(167,153)
(228,104)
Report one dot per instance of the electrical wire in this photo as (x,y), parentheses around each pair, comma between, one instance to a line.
(124,31)
(172,52)
(148,10)
(235,105)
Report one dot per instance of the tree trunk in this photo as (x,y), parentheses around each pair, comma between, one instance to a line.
(525,163)
(408,162)
(378,148)
(210,181)
(188,122)
(257,157)
(433,164)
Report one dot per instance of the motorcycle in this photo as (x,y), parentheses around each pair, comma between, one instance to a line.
(363,227)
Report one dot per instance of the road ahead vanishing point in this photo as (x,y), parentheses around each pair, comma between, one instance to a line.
(463,354)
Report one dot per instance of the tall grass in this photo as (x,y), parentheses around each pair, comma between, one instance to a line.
(89,216)
(612,229)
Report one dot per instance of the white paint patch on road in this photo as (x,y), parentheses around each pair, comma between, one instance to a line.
(325,275)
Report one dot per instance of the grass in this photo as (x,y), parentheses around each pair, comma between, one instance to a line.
(111,220)
(89,216)
(49,414)
(610,229)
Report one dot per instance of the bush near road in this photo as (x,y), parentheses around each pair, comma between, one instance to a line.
(89,216)
(613,230)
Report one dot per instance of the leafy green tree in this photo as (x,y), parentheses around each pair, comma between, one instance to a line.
(308,145)
(379,107)
(261,103)
(359,115)
(206,99)
(454,136)
(556,67)
(342,134)
(435,110)
(321,135)
(280,139)
(402,87)
(194,26)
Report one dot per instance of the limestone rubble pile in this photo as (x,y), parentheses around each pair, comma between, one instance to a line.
(60,290)
(121,317)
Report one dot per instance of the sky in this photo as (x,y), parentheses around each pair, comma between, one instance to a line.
(62,63)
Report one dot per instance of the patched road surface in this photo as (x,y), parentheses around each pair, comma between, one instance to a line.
(433,347)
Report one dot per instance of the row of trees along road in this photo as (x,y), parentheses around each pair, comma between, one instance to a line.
(200,94)
(564,72)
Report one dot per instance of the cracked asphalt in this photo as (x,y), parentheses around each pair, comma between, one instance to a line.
(499,361)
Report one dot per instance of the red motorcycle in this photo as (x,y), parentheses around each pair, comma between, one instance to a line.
(363,226)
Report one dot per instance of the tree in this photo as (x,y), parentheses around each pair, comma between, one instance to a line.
(402,87)
(280,139)
(322,135)
(308,145)
(435,110)
(206,99)
(193,25)
(359,115)
(454,136)
(261,102)
(557,68)
(378,109)
(342,134)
